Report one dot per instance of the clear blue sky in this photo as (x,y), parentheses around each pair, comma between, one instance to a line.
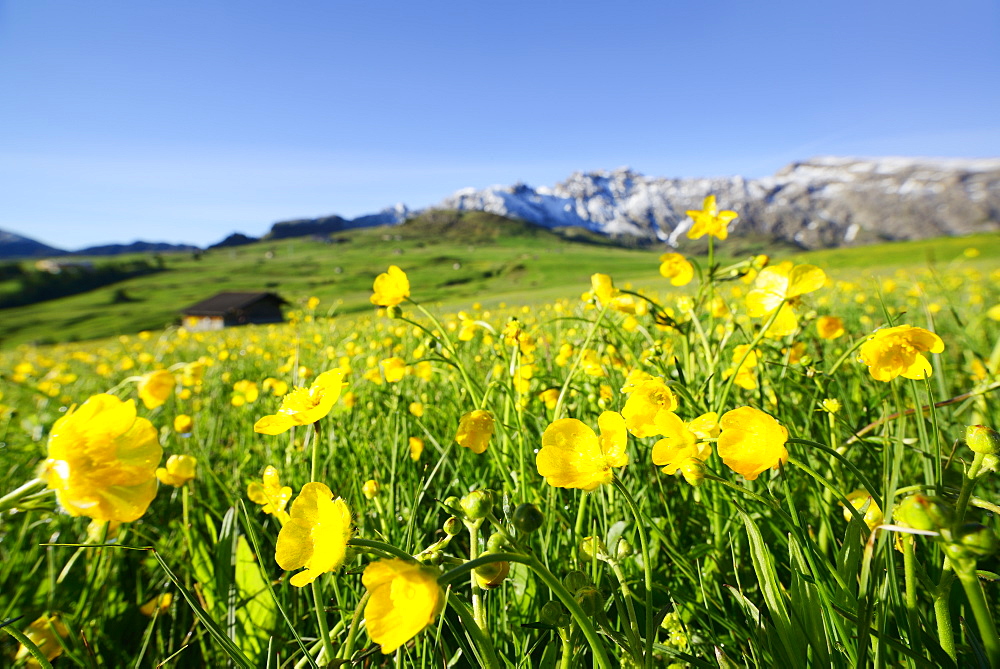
(185,120)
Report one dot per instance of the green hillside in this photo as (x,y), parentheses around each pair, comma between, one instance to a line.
(450,257)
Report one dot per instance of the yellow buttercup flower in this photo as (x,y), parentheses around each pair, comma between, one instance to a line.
(873,514)
(602,288)
(416,445)
(315,536)
(159,604)
(829,327)
(394,369)
(416,409)
(898,351)
(303,407)
(572,456)
(777,288)
(102,460)
(404,599)
(676,267)
(312,303)
(391,287)
(647,405)
(474,430)
(370,489)
(155,388)
(681,441)
(993,313)
(751,441)
(183,423)
(270,494)
(710,221)
(44,633)
(179,470)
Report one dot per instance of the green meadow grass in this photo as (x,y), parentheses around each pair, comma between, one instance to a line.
(729,573)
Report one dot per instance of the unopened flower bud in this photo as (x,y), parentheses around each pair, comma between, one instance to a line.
(593,548)
(978,540)
(489,576)
(431,557)
(576,580)
(693,471)
(527,518)
(370,489)
(452,504)
(624,549)
(452,526)
(394,311)
(982,439)
(590,600)
(477,504)
(555,614)
(496,543)
(923,513)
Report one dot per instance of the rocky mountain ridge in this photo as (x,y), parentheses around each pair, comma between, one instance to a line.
(816,203)
(822,202)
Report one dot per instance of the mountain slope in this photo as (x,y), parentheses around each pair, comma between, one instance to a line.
(823,202)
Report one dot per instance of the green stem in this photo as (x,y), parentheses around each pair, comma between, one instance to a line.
(553,583)
(910,579)
(478,608)
(942,615)
(324,629)
(35,651)
(576,363)
(647,567)
(759,337)
(352,631)
(380,547)
(487,654)
(567,648)
(981,611)
(477,398)
(11,499)
(968,484)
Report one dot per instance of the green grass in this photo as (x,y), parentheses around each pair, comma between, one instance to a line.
(761,573)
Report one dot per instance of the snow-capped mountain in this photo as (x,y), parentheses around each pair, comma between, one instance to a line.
(821,202)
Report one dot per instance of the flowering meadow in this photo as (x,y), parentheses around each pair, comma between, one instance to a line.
(748,463)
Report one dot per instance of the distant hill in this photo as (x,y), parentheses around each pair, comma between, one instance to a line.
(135,247)
(15,246)
(235,239)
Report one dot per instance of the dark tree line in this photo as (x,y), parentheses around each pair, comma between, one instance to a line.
(38,286)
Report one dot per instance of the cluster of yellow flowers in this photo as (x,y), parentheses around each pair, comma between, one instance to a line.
(103,459)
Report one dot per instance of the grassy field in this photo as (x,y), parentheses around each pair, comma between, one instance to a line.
(467,257)
(517,466)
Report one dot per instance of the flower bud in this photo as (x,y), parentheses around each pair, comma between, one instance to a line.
(576,580)
(923,513)
(496,543)
(624,549)
(982,439)
(394,311)
(489,576)
(593,548)
(978,540)
(434,557)
(555,614)
(452,526)
(693,471)
(370,489)
(590,600)
(477,504)
(452,504)
(527,518)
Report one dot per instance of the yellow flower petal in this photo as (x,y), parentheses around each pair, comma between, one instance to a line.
(751,441)
(404,599)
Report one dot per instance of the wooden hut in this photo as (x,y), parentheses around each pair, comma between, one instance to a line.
(229,309)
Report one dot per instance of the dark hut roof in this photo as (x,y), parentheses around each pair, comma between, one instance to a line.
(224,303)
